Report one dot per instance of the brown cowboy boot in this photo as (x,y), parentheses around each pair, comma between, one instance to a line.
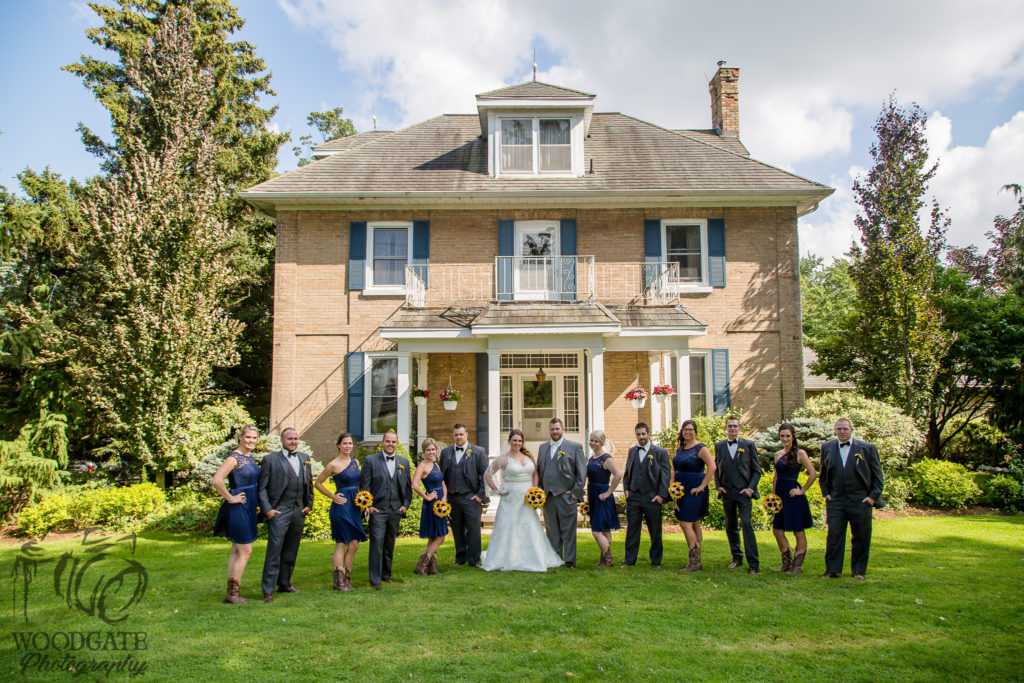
(603,562)
(787,560)
(798,564)
(346,579)
(432,565)
(609,559)
(234,595)
(421,566)
(694,564)
(339,579)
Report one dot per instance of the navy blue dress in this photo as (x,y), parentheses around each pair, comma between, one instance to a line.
(603,516)
(796,511)
(237,521)
(432,526)
(346,522)
(690,473)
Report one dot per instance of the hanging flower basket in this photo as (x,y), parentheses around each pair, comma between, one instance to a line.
(419,396)
(662,392)
(450,398)
(637,397)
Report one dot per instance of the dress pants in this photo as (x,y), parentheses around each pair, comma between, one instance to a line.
(840,511)
(383,530)
(640,508)
(465,525)
(739,505)
(284,531)
(560,523)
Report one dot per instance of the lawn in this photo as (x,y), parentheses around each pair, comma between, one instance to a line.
(942,601)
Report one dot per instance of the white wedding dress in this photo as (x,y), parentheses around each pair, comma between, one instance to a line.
(518,542)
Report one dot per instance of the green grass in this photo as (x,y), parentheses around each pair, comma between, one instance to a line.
(942,601)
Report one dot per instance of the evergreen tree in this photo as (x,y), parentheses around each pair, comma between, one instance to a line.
(330,125)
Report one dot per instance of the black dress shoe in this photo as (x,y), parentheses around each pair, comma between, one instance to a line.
(268,597)
(375,586)
(829,575)
(570,565)
(288,589)
(735,563)
(754,571)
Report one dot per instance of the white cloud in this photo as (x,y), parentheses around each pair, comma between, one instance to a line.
(829,231)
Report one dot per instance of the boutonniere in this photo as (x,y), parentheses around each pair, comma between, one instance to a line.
(401,467)
(858,456)
(650,456)
(740,450)
(307,462)
(560,454)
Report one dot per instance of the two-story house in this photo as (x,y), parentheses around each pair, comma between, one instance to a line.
(543,259)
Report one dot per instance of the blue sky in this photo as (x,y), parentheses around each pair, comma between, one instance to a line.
(811,81)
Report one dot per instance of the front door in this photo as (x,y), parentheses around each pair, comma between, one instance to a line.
(537,251)
(529,404)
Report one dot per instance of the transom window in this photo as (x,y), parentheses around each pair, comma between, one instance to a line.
(535,145)
(685,242)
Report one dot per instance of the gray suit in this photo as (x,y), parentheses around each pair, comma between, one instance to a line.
(734,475)
(848,486)
(280,489)
(561,474)
(389,494)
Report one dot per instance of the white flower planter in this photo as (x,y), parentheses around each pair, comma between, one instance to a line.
(419,400)
(661,398)
(450,405)
(638,403)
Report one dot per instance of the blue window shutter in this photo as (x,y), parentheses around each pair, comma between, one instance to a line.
(482,432)
(720,380)
(357,255)
(421,249)
(355,394)
(506,246)
(716,252)
(567,273)
(652,249)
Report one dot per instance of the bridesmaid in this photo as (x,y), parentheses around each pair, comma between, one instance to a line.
(688,468)
(431,526)
(796,511)
(346,522)
(604,518)
(236,519)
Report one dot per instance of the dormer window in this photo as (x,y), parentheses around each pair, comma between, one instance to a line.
(535,145)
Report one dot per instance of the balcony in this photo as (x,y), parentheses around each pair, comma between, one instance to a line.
(542,278)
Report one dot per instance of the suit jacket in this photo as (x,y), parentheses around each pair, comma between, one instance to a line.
(374,478)
(660,473)
(746,464)
(868,467)
(572,466)
(275,475)
(478,460)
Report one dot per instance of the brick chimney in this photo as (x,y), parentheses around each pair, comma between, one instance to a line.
(725,101)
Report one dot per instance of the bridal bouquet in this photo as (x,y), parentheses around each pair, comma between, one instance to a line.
(442,509)
(535,497)
(585,508)
(772,503)
(676,490)
(364,499)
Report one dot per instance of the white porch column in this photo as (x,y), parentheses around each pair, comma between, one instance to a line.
(403,397)
(654,379)
(596,399)
(683,360)
(421,411)
(494,435)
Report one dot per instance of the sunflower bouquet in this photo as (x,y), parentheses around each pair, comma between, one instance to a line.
(442,509)
(364,499)
(772,503)
(676,490)
(585,508)
(535,497)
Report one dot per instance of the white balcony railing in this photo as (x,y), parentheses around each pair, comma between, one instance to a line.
(541,278)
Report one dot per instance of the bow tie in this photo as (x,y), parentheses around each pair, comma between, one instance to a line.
(845,444)
(732,443)
(289,454)
(389,458)
(459,449)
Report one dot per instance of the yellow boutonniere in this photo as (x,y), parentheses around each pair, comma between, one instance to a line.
(307,462)
(740,450)
(858,456)
(560,454)
(649,456)
(401,467)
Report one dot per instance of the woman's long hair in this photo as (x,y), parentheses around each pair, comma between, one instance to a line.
(791,454)
(423,448)
(523,450)
(680,441)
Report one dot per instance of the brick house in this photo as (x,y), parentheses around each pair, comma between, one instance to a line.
(543,259)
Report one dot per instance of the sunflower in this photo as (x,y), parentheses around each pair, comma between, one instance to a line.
(676,490)
(772,503)
(585,508)
(442,509)
(535,497)
(364,499)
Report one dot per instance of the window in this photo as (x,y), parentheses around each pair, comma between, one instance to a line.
(534,145)
(699,396)
(389,249)
(685,242)
(383,395)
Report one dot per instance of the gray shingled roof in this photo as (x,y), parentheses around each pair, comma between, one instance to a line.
(345,143)
(567,314)
(814,382)
(438,317)
(655,316)
(730,143)
(535,90)
(447,154)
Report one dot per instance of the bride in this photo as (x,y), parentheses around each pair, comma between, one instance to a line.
(518,542)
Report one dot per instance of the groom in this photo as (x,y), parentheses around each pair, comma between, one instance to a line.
(561,471)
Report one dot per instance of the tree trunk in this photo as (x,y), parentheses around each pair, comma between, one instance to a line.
(933,439)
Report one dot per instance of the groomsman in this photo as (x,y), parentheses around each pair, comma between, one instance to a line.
(736,476)
(463,466)
(561,471)
(285,494)
(645,484)
(386,476)
(851,481)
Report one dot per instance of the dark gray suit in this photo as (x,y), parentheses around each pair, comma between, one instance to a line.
(643,480)
(562,473)
(848,486)
(280,489)
(389,494)
(465,480)
(734,475)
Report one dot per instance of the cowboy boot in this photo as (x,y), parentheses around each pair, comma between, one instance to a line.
(421,565)
(798,564)
(695,564)
(339,579)
(609,560)
(234,595)
(432,565)
(603,561)
(787,560)
(346,579)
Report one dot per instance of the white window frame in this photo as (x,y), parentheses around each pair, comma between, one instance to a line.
(369,360)
(705,278)
(373,289)
(575,140)
(709,390)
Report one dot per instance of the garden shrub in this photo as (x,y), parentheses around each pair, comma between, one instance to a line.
(943,484)
(898,489)
(187,511)
(116,508)
(979,443)
(894,434)
(205,428)
(1000,491)
(410,524)
(710,430)
(50,514)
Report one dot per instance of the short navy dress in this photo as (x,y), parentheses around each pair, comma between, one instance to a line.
(346,523)
(690,473)
(237,521)
(796,511)
(432,526)
(603,515)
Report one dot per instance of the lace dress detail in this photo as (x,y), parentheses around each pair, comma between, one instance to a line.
(518,542)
